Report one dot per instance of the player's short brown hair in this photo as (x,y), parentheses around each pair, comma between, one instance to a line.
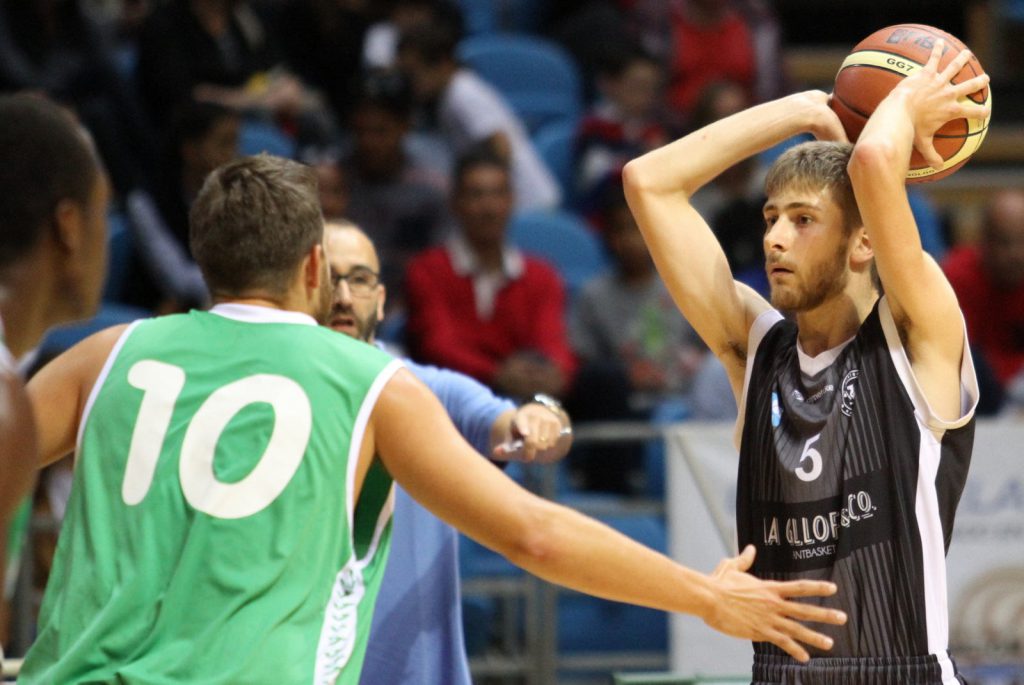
(253,222)
(817,165)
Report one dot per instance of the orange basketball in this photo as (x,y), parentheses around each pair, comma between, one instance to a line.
(877,64)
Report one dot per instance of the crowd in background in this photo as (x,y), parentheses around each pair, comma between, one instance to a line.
(443,171)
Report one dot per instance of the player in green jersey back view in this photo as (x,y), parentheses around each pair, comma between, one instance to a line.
(229,520)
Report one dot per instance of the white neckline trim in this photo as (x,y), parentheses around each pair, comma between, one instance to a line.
(253,313)
(814,365)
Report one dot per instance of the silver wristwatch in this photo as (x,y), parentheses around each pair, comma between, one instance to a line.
(549,402)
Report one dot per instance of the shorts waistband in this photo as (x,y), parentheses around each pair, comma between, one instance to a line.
(772,669)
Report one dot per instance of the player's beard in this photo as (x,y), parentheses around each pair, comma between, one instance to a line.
(824,281)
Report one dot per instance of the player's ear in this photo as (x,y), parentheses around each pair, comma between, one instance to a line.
(862,251)
(380,302)
(68,226)
(313,267)
(69,239)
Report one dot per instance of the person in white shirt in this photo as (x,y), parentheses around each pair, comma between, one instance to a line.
(470,111)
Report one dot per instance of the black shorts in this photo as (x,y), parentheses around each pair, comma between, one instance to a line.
(913,670)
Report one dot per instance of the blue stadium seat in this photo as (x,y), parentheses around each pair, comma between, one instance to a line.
(120,252)
(556,144)
(479,17)
(539,79)
(563,239)
(63,337)
(256,136)
(589,624)
(490,16)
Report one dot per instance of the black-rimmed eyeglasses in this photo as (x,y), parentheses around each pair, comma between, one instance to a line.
(361,281)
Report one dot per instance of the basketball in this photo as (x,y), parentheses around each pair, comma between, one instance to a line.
(877,64)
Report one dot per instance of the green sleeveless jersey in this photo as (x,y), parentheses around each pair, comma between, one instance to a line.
(212,534)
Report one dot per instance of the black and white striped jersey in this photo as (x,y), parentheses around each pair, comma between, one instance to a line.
(847,475)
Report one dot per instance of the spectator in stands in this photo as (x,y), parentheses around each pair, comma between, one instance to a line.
(635,349)
(627,121)
(702,41)
(591,30)
(202,137)
(733,201)
(220,51)
(989,282)
(332,185)
(399,197)
(322,42)
(626,319)
(380,49)
(479,306)
(470,111)
(58,49)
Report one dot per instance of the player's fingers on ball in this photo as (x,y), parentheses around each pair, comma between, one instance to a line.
(804,588)
(926,146)
(952,69)
(969,110)
(971,85)
(957,63)
(933,59)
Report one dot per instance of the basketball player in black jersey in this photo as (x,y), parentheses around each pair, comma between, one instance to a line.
(856,407)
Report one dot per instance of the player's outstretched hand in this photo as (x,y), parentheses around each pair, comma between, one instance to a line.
(764,611)
(933,99)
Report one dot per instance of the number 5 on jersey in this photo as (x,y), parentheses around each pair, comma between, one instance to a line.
(810,471)
(161,384)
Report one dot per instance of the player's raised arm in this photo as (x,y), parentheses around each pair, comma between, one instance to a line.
(659,186)
(432,462)
(922,301)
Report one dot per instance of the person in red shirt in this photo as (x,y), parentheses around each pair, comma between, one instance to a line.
(477,304)
(701,41)
(989,282)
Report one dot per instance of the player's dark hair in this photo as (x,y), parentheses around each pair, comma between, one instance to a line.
(616,58)
(192,121)
(253,222)
(478,155)
(388,91)
(817,165)
(47,158)
(433,43)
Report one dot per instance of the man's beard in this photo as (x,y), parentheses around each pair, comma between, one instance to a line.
(365,329)
(824,281)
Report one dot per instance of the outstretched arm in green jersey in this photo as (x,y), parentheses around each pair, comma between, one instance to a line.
(423,451)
